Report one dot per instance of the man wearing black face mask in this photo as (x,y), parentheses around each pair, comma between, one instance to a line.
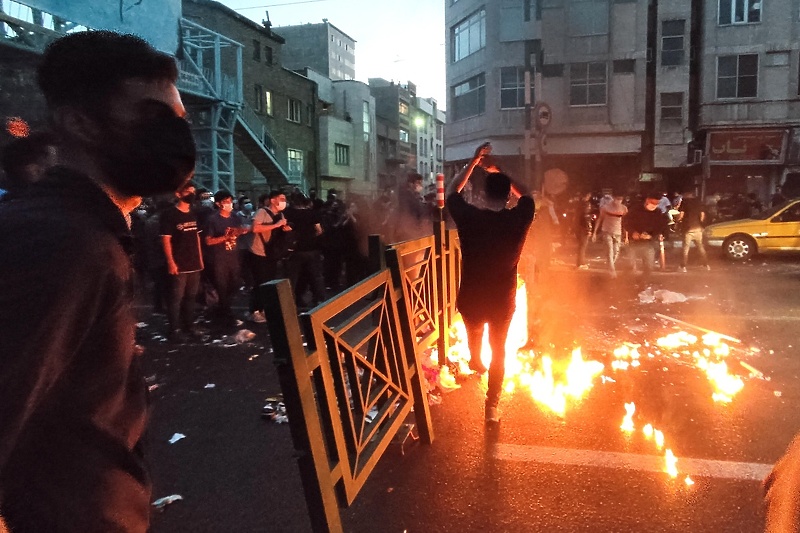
(180,238)
(73,406)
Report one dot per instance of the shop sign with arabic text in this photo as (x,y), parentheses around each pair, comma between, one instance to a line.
(757,147)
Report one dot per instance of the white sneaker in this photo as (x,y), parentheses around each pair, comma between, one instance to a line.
(257,317)
(682,269)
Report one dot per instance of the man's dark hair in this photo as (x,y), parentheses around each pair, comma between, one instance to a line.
(219,196)
(414,177)
(653,196)
(498,185)
(23,152)
(275,193)
(85,69)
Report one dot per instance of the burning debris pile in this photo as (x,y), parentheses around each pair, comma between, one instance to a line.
(556,381)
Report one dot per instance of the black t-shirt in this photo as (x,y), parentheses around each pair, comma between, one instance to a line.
(491,243)
(185,237)
(304,233)
(691,209)
(640,220)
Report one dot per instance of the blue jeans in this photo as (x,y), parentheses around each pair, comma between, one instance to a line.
(613,243)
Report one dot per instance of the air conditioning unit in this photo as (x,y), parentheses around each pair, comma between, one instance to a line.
(697,157)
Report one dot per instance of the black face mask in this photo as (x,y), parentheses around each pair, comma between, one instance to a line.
(153,155)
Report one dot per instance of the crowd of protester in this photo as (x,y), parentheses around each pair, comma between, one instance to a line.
(202,249)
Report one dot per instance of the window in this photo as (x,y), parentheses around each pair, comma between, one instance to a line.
(267,55)
(295,163)
(439,131)
(258,100)
(588,17)
(403,136)
(403,108)
(294,110)
(512,87)
(469,35)
(469,97)
(739,11)
(365,119)
(737,76)
(342,153)
(672,108)
(672,32)
(256,50)
(587,84)
(268,102)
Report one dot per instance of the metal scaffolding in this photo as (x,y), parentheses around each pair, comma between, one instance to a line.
(215,101)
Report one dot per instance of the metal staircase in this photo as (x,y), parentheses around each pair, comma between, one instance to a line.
(254,140)
(211,87)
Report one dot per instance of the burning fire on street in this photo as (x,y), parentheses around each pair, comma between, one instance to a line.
(557,383)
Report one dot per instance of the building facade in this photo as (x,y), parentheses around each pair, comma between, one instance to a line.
(347,137)
(429,126)
(275,133)
(749,102)
(585,63)
(650,95)
(396,133)
(322,47)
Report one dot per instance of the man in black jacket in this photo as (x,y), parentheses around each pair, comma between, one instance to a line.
(645,227)
(73,405)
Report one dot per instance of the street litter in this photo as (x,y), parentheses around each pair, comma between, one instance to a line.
(141,325)
(370,416)
(163,502)
(151,388)
(275,410)
(209,386)
(253,357)
(244,335)
(778,394)
(176,437)
(150,379)
(666,297)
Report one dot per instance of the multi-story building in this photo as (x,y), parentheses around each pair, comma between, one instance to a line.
(275,134)
(676,92)
(347,138)
(589,59)
(322,47)
(749,97)
(397,145)
(429,123)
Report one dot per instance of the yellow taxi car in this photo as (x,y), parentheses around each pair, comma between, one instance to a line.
(775,229)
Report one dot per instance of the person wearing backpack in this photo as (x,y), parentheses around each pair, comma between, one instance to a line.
(268,226)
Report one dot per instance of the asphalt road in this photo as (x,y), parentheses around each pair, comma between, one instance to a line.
(536,471)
